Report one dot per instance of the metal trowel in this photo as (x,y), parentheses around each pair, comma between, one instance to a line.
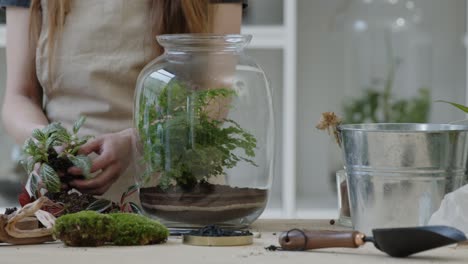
(396,242)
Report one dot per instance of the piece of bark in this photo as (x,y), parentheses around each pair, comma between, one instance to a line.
(18,228)
(6,238)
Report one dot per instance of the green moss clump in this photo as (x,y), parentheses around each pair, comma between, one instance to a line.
(84,229)
(91,229)
(133,229)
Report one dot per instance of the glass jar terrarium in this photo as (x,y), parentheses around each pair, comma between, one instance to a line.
(204,115)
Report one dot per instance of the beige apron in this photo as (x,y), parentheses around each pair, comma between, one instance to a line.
(98,56)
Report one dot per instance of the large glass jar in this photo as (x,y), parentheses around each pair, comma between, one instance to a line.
(203,111)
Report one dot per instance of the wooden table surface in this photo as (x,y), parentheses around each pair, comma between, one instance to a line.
(175,252)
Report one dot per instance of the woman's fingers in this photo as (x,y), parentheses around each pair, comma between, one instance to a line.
(91,146)
(88,148)
(75,171)
(99,184)
(112,159)
(102,161)
(98,163)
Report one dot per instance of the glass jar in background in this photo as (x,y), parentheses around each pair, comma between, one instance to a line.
(344,209)
(388,62)
(204,115)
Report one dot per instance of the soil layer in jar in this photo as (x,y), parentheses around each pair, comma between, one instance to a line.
(204,204)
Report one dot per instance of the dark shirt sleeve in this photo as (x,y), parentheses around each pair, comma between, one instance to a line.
(20,3)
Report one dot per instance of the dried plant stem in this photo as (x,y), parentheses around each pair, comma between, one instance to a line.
(330,121)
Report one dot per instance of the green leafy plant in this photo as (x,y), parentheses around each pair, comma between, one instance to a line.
(50,152)
(183,141)
(103,205)
(459,106)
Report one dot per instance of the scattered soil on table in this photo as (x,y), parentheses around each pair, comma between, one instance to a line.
(272,248)
(9,211)
(204,204)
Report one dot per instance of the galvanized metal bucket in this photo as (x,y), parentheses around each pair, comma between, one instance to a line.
(398,174)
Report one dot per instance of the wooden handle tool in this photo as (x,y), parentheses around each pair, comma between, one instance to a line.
(297,239)
(396,242)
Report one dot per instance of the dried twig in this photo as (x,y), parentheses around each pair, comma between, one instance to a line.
(330,121)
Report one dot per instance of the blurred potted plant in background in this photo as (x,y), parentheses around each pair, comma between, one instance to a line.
(383,106)
(388,62)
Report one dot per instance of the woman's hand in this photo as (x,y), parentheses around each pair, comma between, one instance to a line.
(114,155)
